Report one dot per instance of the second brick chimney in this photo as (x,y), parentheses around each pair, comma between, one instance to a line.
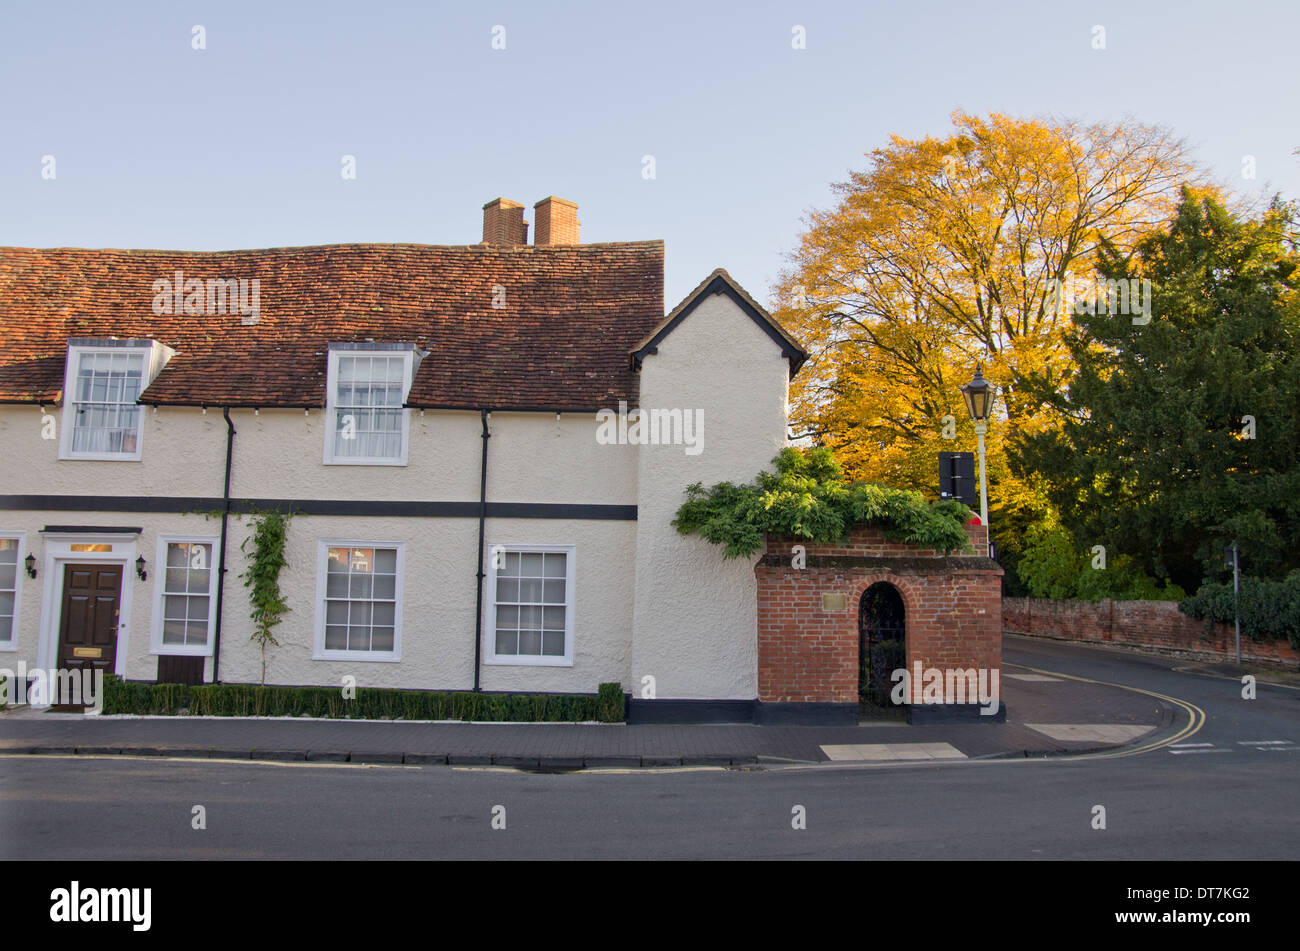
(556,221)
(503,222)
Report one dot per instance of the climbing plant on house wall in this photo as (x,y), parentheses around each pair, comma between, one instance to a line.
(265,550)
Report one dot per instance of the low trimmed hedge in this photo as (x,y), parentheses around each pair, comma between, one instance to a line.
(253,700)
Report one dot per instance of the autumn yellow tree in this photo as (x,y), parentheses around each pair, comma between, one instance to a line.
(945,253)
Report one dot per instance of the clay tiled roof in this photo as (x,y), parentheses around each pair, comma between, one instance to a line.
(571,315)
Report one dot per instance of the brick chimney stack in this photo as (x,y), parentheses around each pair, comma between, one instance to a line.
(503,222)
(557,222)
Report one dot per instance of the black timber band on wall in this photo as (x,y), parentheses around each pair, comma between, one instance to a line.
(358,507)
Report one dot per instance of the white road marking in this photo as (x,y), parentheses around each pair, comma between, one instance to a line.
(1177,752)
(1187,746)
(1033,678)
(1092,732)
(871,752)
(1265,743)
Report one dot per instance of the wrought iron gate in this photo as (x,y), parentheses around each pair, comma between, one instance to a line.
(882,649)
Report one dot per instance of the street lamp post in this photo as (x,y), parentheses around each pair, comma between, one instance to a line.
(978,394)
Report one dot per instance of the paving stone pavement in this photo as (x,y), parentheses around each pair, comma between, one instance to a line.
(590,745)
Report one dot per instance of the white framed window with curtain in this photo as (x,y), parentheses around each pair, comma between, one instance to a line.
(185,586)
(101,418)
(366,389)
(11,587)
(530,605)
(359,600)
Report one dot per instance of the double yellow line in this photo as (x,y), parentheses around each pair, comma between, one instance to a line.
(1195,715)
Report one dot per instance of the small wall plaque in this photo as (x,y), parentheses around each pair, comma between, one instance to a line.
(88,652)
(833,602)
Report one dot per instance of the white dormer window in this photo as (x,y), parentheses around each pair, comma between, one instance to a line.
(368,383)
(105,377)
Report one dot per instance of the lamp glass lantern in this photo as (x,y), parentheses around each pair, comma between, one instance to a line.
(978,395)
(30,563)
(139,569)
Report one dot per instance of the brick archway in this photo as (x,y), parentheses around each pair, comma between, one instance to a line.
(808,617)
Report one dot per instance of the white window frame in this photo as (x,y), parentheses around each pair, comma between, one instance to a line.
(331,400)
(20,572)
(319,651)
(159,572)
(154,356)
(490,654)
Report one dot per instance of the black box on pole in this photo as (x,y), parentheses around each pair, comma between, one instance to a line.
(957,477)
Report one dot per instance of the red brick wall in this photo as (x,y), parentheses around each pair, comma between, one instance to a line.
(808,654)
(1156,625)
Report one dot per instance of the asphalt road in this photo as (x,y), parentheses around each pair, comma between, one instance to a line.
(1234,798)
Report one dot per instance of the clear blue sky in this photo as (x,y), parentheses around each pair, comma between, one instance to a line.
(239,145)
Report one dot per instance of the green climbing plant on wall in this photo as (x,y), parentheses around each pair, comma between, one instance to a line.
(265,550)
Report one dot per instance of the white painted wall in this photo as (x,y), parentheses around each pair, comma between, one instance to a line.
(533,457)
(648,601)
(278,454)
(695,615)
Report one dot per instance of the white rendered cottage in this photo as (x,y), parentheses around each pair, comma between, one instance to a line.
(438,419)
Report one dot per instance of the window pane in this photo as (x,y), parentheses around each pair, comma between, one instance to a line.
(8,574)
(7,604)
(530,618)
(507,617)
(198,633)
(336,638)
(553,619)
(384,614)
(508,590)
(385,586)
(530,564)
(174,581)
(359,614)
(336,612)
(6,628)
(174,607)
(386,560)
(8,551)
(530,642)
(198,581)
(555,592)
(553,643)
(555,565)
(359,586)
(381,639)
(358,638)
(198,608)
(173,632)
(177,555)
(512,564)
(336,585)
(507,642)
(530,589)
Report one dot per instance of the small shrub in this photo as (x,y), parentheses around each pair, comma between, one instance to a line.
(609,703)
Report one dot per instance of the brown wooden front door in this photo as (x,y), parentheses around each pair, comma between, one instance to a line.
(88,631)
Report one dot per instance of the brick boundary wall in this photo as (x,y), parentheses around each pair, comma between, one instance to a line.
(1151,625)
(809,654)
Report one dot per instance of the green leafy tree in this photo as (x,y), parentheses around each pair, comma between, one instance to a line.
(1183,433)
